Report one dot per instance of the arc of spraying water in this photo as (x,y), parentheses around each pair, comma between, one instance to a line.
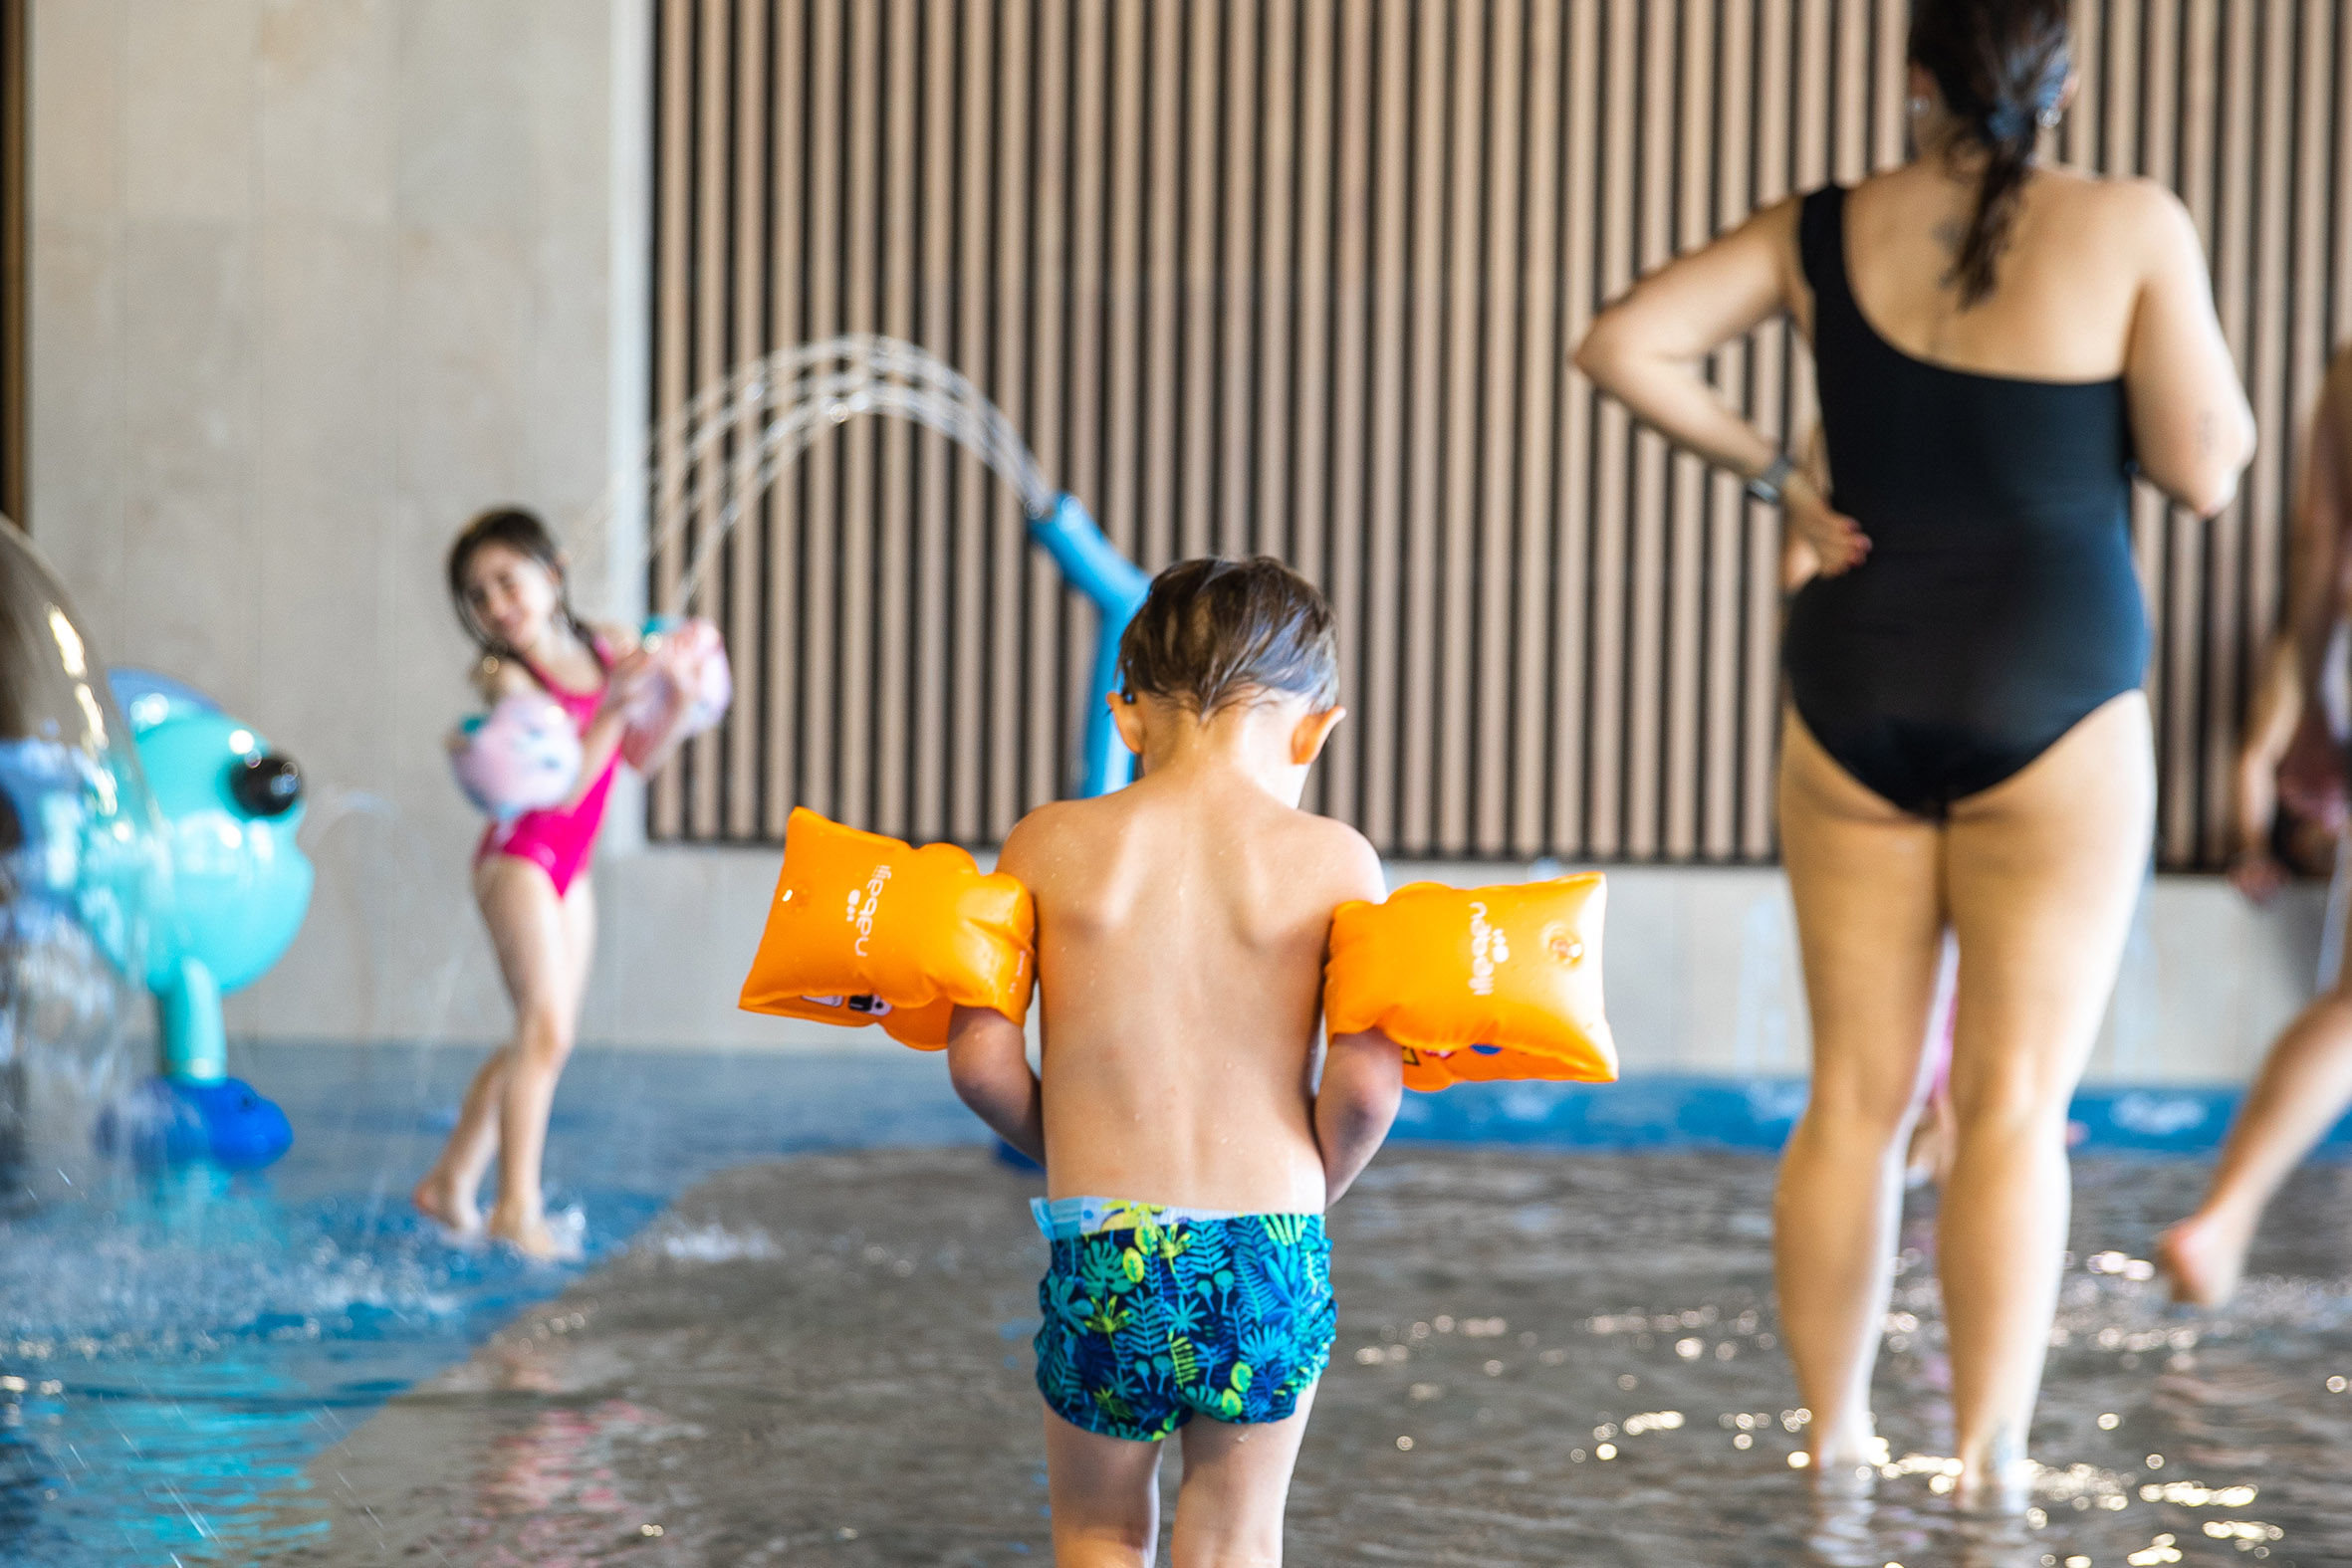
(776,408)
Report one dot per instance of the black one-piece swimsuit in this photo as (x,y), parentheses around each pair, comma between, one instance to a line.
(1998,606)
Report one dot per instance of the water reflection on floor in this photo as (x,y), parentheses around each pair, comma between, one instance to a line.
(1545,1359)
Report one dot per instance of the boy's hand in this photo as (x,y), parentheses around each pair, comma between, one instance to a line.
(1363,1082)
(988,1061)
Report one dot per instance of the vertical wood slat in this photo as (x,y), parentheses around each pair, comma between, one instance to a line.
(1540,382)
(1300,276)
(930,816)
(714,192)
(1351,303)
(745,594)
(898,582)
(673,367)
(1499,434)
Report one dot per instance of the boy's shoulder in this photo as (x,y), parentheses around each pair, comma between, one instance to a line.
(1347,854)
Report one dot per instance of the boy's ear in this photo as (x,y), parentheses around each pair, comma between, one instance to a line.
(1306,741)
(1127,715)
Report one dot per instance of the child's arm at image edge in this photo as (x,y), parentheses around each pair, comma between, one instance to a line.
(1363,1083)
(988,1063)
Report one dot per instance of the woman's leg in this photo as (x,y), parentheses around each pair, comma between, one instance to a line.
(2042,872)
(528,928)
(2300,1092)
(1867,883)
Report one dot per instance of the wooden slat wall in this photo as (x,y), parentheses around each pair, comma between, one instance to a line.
(1301,276)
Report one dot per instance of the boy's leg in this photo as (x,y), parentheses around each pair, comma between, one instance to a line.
(1237,1478)
(1106,1496)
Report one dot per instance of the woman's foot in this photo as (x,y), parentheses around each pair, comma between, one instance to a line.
(2204,1256)
(2002,1488)
(1846,1463)
(440,1199)
(528,1232)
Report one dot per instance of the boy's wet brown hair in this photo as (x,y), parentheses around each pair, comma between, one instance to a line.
(1214,633)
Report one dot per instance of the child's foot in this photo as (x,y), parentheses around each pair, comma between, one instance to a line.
(529,1233)
(2202,1257)
(441,1201)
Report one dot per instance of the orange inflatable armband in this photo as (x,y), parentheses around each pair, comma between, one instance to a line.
(1477,984)
(867,930)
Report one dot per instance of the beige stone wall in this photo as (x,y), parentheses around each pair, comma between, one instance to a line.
(313,280)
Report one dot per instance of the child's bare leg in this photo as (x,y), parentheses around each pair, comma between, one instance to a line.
(1105,1498)
(528,926)
(1237,1478)
(448,1192)
(2301,1090)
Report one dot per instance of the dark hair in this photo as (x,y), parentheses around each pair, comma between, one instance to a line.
(1214,633)
(523,533)
(2002,65)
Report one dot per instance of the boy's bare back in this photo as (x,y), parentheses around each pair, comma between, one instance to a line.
(1182,925)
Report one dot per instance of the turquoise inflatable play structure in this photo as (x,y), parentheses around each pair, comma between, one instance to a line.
(238,888)
(147,852)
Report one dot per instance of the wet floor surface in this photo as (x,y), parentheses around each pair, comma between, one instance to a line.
(1543,1359)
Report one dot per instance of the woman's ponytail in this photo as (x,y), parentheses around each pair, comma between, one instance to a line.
(2002,65)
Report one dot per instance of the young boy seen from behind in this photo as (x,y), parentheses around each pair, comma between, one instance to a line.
(1182,927)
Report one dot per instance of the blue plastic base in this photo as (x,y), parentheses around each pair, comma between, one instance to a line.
(168,1121)
(1007,1155)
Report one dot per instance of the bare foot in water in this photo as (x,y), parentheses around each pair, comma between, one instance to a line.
(437,1198)
(529,1233)
(1846,1464)
(1994,1489)
(2202,1257)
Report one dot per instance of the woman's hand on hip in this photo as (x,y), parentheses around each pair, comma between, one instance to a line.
(1836,541)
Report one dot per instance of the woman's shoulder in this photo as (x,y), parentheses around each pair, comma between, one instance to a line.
(2115,205)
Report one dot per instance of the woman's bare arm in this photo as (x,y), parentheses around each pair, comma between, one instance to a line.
(1647,350)
(2192,426)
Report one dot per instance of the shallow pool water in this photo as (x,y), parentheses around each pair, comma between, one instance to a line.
(175,1345)
(824,1356)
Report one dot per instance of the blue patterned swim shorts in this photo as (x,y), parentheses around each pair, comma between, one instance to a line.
(1153,1314)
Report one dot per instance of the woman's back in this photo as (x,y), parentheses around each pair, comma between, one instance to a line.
(1986,451)
(2067,282)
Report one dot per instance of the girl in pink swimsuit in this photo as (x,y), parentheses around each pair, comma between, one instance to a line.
(559,838)
(506,576)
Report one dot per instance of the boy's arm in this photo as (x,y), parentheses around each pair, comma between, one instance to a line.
(1363,1074)
(1364,1081)
(987,1052)
(988,1061)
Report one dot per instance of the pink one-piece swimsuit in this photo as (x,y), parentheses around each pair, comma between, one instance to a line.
(558,841)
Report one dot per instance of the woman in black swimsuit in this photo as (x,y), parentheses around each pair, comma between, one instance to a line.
(1967,748)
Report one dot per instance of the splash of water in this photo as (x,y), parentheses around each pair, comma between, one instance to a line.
(727,445)
(724,449)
